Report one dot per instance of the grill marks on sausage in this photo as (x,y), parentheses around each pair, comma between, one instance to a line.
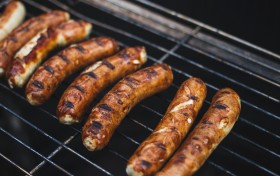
(92,75)
(68,104)
(95,127)
(79,88)
(64,58)
(38,84)
(80,48)
(161,146)
(108,64)
(193,97)
(220,106)
(146,163)
(124,55)
(105,107)
(131,82)
(180,159)
(49,69)
(99,41)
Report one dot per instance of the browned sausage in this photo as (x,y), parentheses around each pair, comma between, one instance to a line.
(22,34)
(12,17)
(209,132)
(48,76)
(31,55)
(106,116)
(167,136)
(96,77)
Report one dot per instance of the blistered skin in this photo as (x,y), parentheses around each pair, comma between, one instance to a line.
(11,18)
(47,77)
(106,116)
(22,34)
(95,78)
(31,55)
(169,133)
(216,124)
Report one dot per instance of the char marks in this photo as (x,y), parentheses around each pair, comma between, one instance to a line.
(79,88)
(220,106)
(92,75)
(131,82)
(80,48)
(108,64)
(38,84)
(146,163)
(49,69)
(64,58)
(105,107)
(68,104)
(95,127)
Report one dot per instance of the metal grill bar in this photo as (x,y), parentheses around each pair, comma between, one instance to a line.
(14,164)
(222,33)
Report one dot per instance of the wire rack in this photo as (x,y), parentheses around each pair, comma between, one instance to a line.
(33,142)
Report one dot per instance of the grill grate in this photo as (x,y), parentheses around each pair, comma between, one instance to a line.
(36,144)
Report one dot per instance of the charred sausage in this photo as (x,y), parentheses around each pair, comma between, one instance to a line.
(11,18)
(22,34)
(30,56)
(209,132)
(169,133)
(48,76)
(106,116)
(96,77)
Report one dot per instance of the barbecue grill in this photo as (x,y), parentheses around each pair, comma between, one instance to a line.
(33,142)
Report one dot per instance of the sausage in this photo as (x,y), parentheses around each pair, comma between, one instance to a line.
(12,17)
(47,77)
(95,78)
(22,34)
(106,116)
(169,133)
(30,56)
(216,123)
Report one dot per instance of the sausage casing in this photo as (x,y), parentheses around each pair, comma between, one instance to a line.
(13,15)
(169,133)
(209,132)
(48,76)
(115,105)
(31,55)
(22,34)
(96,77)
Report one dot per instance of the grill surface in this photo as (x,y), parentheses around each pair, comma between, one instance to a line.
(33,142)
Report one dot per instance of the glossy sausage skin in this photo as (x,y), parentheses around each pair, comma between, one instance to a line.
(169,133)
(22,34)
(12,17)
(31,55)
(48,76)
(106,116)
(216,123)
(95,78)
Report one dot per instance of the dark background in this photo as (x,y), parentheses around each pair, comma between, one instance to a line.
(255,21)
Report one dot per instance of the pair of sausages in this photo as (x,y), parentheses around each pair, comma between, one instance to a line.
(212,128)
(30,56)
(25,32)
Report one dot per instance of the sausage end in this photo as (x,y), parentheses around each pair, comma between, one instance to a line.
(90,144)
(131,172)
(67,119)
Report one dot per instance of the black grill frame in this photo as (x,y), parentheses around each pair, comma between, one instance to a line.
(226,159)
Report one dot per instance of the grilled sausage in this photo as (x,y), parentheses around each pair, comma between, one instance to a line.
(35,51)
(12,17)
(22,34)
(209,132)
(106,116)
(48,76)
(96,77)
(169,133)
